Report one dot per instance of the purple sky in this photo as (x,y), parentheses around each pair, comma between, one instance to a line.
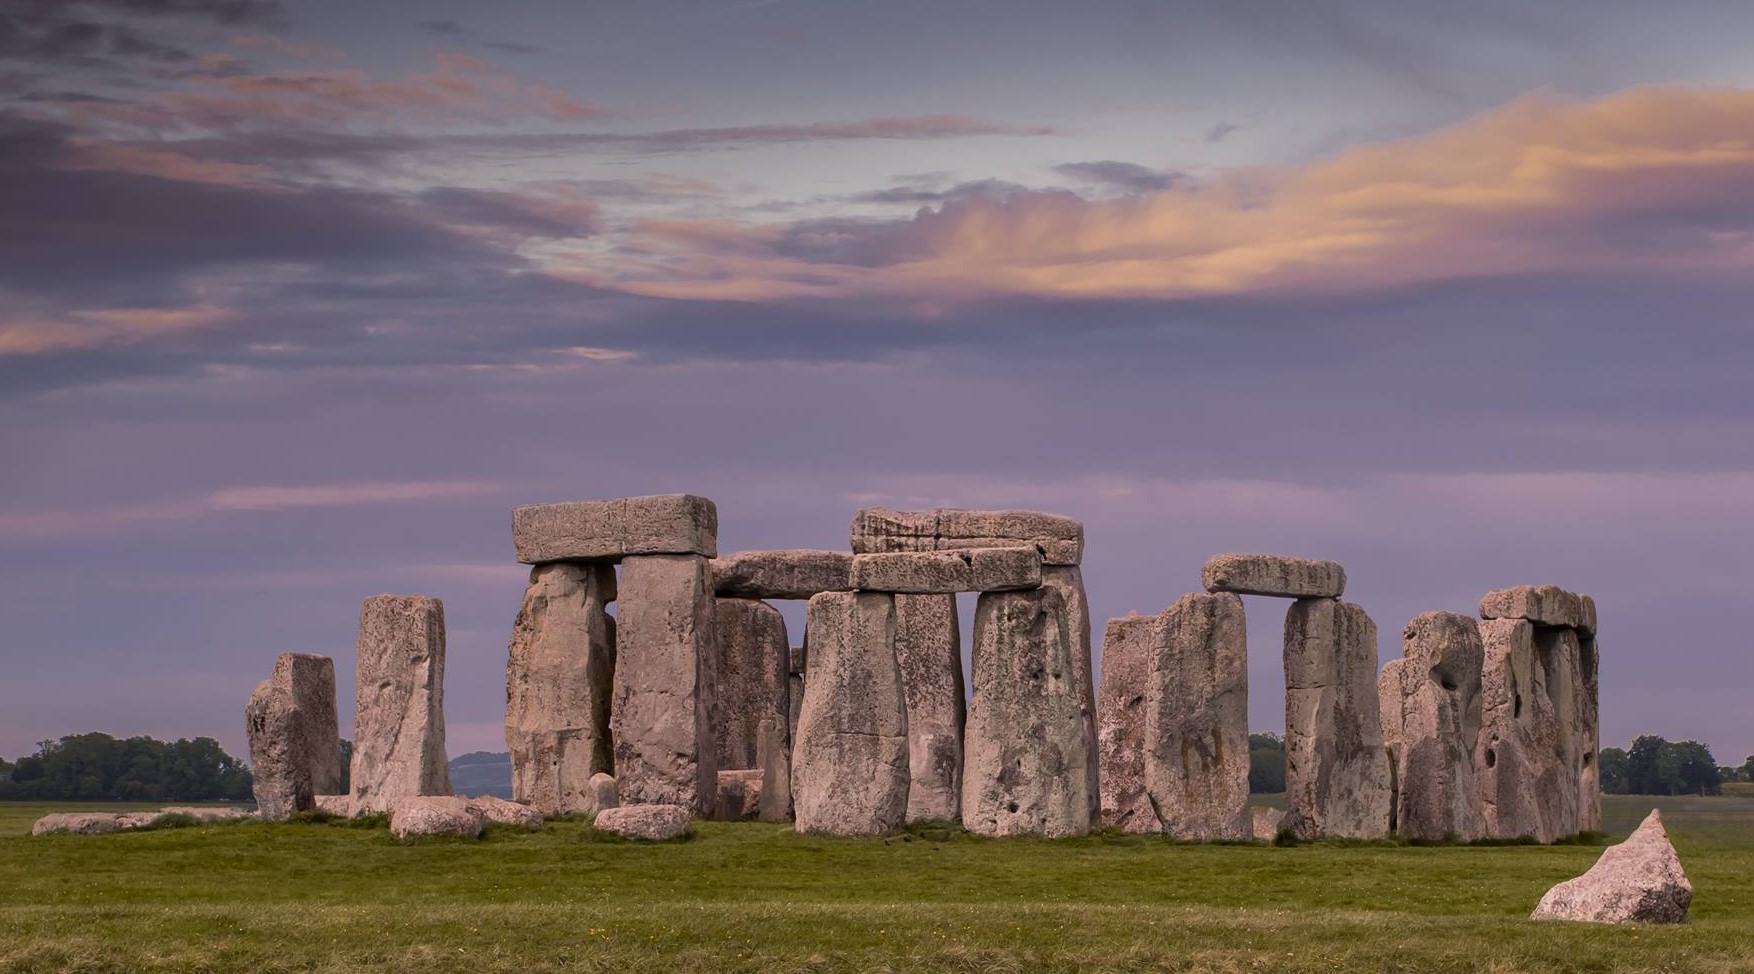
(297,300)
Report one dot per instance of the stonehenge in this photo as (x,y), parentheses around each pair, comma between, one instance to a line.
(650,675)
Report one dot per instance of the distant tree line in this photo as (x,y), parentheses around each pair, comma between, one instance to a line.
(1654,766)
(98,767)
(1266,764)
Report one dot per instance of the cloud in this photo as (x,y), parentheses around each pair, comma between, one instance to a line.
(1217,132)
(1126,177)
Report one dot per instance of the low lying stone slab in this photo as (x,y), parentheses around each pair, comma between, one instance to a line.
(340,806)
(948,572)
(77,823)
(1059,539)
(494,809)
(427,815)
(1276,575)
(1543,605)
(653,823)
(794,573)
(609,530)
(1638,881)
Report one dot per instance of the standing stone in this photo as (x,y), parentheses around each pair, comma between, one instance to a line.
(1589,784)
(776,772)
(1638,881)
(1027,747)
(1388,697)
(850,765)
(1129,645)
(1336,768)
(1439,728)
(928,653)
(795,690)
(1505,770)
(295,740)
(1558,730)
(660,715)
(1068,580)
(399,722)
(1196,720)
(559,674)
(752,678)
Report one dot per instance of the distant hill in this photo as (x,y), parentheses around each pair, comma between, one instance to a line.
(482,773)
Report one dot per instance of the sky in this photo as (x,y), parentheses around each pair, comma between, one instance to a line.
(298,299)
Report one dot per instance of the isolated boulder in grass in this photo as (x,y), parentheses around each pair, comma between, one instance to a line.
(77,823)
(435,815)
(650,822)
(1638,881)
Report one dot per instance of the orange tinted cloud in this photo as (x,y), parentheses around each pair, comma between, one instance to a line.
(90,329)
(1649,177)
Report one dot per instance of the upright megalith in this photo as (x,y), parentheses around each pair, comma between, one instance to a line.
(1277,575)
(1432,721)
(609,530)
(559,673)
(752,679)
(1337,772)
(399,719)
(1507,757)
(1026,746)
(1129,645)
(661,711)
(1068,580)
(850,763)
(928,653)
(795,690)
(792,573)
(295,741)
(1196,720)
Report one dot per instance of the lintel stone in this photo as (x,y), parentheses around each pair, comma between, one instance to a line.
(782,574)
(609,530)
(1059,539)
(948,572)
(1276,575)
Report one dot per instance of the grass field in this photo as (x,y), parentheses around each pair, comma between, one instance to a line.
(759,898)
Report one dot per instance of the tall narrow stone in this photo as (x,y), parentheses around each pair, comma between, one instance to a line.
(1129,645)
(795,691)
(928,652)
(1559,730)
(776,772)
(559,673)
(1589,784)
(1336,768)
(1196,720)
(1439,728)
(850,763)
(399,722)
(1388,697)
(1027,747)
(660,714)
(1505,758)
(753,680)
(295,742)
(1068,580)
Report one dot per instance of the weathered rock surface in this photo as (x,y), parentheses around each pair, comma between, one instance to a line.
(775,750)
(99,823)
(494,809)
(850,763)
(77,823)
(662,708)
(739,796)
(652,823)
(795,573)
(559,675)
(1638,881)
(419,816)
(1068,580)
(1544,605)
(399,703)
(795,692)
(1337,774)
(1059,539)
(1026,746)
(1277,575)
(206,814)
(1264,822)
(1435,714)
(295,740)
(340,806)
(1537,740)
(947,572)
(605,793)
(1589,784)
(609,530)
(1129,644)
(1196,720)
(753,683)
(928,654)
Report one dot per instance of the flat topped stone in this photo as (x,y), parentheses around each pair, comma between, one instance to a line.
(609,530)
(1543,605)
(1638,881)
(1059,539)
(948,572)
(1278,575)
(653,823)
(794,573)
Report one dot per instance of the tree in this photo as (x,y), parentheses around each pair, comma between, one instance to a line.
(1266,763)
(1612,767)
(346,767)
(98,767)
(1659,767)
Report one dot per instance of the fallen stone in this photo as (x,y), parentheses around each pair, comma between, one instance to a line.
(782,574)
(1437,728)
(1026,746)
(609,530)
(340,806)
(1059,539)
(753,684)
(1337,773)
(739,796)
(662,707)
(1276,575)
(1264,822)
(1543,605)
(1128,646)
(1196,720)
(204,814)
(776,773)
(77,823)
(399,722)
(294,735)
(850,762)
(428,815)
(947,572)
(1638,881)
(559,674)
(1068,580)
(604,791)
(651,823)
(928,654)
(499,811)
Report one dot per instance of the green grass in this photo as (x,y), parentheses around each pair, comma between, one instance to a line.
(758,898)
